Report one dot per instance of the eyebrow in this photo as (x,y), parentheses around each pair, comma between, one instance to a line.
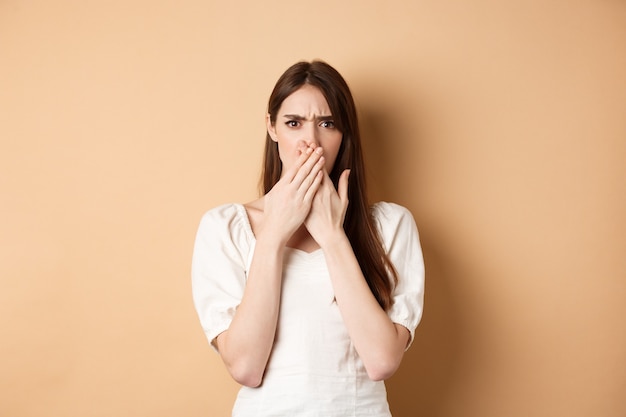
(299,117)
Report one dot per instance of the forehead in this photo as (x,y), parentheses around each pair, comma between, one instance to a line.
(307,99)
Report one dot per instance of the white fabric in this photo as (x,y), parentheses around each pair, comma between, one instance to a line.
(314,369)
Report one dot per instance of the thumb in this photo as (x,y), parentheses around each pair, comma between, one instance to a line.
(342,187)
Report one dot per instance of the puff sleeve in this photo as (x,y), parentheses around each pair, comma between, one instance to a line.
(219,267)
(401,241)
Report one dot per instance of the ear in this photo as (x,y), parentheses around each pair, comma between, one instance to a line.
(271,129)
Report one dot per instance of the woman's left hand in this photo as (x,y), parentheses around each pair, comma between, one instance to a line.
(328,210)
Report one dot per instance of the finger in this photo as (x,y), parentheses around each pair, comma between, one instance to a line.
(343,186)
(312,189)
(303,157)
(310,165)
(311,176)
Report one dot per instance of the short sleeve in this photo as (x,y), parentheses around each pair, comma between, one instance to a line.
(401,241)
(218,267)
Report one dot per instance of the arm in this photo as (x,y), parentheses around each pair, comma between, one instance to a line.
(379,341)
(246,346)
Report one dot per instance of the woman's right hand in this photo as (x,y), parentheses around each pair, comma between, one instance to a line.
(247,344)
(288,203)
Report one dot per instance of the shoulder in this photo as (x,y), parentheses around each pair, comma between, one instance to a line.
(222,211)
(388,213)
(222,214)
(393,220)
(226,220)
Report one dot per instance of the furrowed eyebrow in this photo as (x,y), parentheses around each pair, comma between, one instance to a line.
(298,117)
(293,117)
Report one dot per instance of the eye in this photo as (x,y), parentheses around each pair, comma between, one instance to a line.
(292,123)
(329,124)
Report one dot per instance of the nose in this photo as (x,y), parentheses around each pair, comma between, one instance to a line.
(312,137)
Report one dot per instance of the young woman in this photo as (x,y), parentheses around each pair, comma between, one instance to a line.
(310,295)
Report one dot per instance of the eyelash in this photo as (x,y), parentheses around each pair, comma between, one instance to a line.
(329,124)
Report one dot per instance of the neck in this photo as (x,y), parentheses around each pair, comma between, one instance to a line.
(302,240)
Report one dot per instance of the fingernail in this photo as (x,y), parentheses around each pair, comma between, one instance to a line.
(319,151)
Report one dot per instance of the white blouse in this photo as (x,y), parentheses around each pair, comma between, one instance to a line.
(314,369)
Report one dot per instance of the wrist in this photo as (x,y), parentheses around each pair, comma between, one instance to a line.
(271,241)
(334,241)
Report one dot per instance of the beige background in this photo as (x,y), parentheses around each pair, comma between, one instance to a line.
(500,124)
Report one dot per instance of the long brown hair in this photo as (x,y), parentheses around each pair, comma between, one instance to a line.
(359,225)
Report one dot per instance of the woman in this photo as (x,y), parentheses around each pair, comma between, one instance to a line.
(309,295)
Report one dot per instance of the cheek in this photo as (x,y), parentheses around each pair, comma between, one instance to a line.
(288,153)
(285,155)
(331,153)
(289,149)
(330,163)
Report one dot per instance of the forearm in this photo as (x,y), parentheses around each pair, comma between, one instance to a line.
(379,342)
(246,346)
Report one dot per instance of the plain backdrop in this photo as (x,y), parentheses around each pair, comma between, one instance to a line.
(500,124)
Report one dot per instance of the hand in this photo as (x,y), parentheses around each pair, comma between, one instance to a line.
(328,210)
(289,202)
